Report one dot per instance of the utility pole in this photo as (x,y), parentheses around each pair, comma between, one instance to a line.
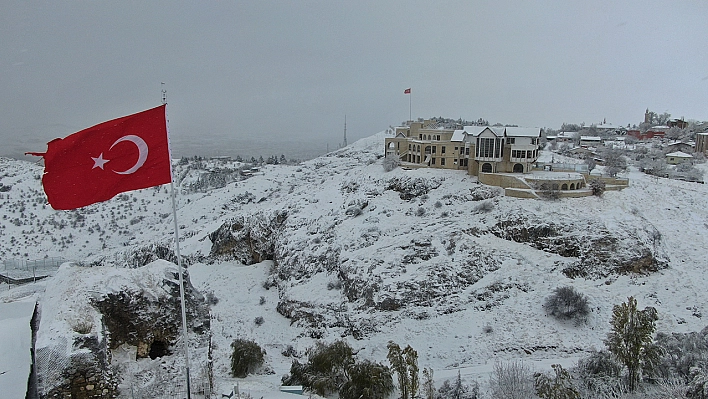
(345,130)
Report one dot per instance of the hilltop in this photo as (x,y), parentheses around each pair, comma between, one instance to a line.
(337,248)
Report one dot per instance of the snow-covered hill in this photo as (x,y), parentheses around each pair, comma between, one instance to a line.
(336,247)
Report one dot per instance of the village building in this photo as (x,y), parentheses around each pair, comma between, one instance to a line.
(488,149)
(675,158)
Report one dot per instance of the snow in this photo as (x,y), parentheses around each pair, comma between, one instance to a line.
(468,338)
(15,344)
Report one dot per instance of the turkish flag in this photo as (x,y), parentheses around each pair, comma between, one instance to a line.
(407,91)
(99,162)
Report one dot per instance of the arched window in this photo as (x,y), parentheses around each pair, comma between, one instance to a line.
(518,168)
(486,167)
(572,186)
(564,186)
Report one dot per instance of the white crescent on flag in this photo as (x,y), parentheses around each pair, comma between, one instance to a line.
(142,152)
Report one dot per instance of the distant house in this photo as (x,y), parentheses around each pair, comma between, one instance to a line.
(590,141)
(675,158)
(652,132)
(680,146)
(487,149)
(679,123)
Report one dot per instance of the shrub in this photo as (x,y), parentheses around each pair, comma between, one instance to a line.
(597,186)
(390,163)
(259,320)
(511,381)
(367,380)
(566,303)
(484,206)
(548,191)
(458,390)
(247,356)
(684,352)
(558,386)
(325,370)
(420,211)
(210,298)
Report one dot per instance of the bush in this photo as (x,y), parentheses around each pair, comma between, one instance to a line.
(684,352)
(390,163)
(597,186)
(566,303)
(558,386)
(420,211)
(548,191)
(247,356)
(511,381)
(484,206)
(210,298)
(325,370)
(259,320)
(367,380)
(458,390)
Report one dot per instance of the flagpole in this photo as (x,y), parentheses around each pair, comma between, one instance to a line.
(410,107)
(179,259)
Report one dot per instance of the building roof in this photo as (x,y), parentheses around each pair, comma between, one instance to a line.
(679,154)
(501,131)
(458,135)
(590,138)
(523,132)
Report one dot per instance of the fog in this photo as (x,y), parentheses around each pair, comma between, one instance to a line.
(272,76)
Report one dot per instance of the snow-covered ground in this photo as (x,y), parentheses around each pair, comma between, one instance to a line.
(453,332)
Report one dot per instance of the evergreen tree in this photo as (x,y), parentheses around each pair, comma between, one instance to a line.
(631,339)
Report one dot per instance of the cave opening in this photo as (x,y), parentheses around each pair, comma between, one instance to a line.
(158,349)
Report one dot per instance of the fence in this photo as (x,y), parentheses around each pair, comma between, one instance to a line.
(21,271)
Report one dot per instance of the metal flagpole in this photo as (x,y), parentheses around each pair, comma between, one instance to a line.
(410,107)
(179,262)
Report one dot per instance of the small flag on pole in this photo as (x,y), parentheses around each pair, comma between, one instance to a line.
(97,163)
(407,91)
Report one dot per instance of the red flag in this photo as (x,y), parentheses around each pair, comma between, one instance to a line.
(97,163)
(407,91)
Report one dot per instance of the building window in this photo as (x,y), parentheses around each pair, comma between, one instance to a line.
(409,147)
(437,137)
(486,147)
(432,161)
(456,148)
(510,140)
(435,149)
(442,150)
(442,161)
(467,151)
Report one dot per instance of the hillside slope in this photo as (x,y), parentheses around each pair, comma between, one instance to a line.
(336,247)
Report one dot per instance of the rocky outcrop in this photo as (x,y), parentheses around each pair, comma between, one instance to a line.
(600,251)
(88,312)
(248,239)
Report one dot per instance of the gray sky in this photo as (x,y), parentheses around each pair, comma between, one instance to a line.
(238,71)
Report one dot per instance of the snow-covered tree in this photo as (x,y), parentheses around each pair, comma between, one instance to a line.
(558,386)
(631,339)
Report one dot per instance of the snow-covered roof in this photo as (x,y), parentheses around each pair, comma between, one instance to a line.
(500,131)
(566,134)
(590,138)
(458,135)
(523,132)
(679,154)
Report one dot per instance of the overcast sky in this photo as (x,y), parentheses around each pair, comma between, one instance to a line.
(239,71)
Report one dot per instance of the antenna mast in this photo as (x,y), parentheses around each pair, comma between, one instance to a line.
(164,93)
(345,130)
